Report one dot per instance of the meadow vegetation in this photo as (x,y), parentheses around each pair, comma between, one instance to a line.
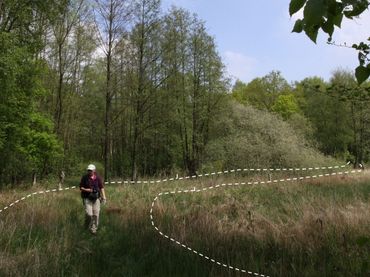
(316,228)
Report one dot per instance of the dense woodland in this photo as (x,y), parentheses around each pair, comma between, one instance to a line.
(141,91)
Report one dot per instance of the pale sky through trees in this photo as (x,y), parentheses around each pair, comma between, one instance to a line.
(254,38)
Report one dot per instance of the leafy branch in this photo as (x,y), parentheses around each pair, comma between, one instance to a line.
(325,15)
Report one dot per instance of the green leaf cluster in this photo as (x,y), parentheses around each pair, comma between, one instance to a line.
(325,15)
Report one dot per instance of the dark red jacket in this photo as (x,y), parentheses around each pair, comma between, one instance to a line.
(88,183)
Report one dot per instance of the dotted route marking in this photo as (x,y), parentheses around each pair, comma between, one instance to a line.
(227,172)
(201,190)
(33,194)
(224,185)
(180,178)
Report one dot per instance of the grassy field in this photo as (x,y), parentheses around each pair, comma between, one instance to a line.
(315,228)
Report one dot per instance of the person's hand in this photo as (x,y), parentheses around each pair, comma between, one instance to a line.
(103,201)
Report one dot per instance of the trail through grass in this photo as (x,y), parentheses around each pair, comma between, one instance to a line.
(317,228)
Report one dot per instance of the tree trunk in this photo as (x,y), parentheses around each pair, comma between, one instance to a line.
(34,179)
(59,104)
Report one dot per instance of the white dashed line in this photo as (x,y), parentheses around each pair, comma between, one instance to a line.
(220,186)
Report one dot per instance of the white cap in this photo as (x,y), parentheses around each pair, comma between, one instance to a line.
(91,167)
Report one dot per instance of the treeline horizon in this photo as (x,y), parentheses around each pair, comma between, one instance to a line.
(140,91)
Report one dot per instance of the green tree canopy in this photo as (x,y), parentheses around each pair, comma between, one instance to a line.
(286,105)
(26,140)
(263,92)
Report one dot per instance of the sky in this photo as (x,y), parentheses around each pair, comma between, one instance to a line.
(254,38)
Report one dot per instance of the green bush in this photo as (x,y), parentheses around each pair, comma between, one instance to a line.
(255,138)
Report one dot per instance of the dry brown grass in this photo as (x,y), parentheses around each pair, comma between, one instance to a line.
(286,215)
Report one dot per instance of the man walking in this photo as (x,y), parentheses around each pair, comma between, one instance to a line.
(92,193)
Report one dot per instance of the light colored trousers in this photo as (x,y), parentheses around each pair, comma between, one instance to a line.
(92,210)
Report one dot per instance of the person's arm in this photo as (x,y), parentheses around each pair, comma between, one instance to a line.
(103,194)
(82,188)
(85,189)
